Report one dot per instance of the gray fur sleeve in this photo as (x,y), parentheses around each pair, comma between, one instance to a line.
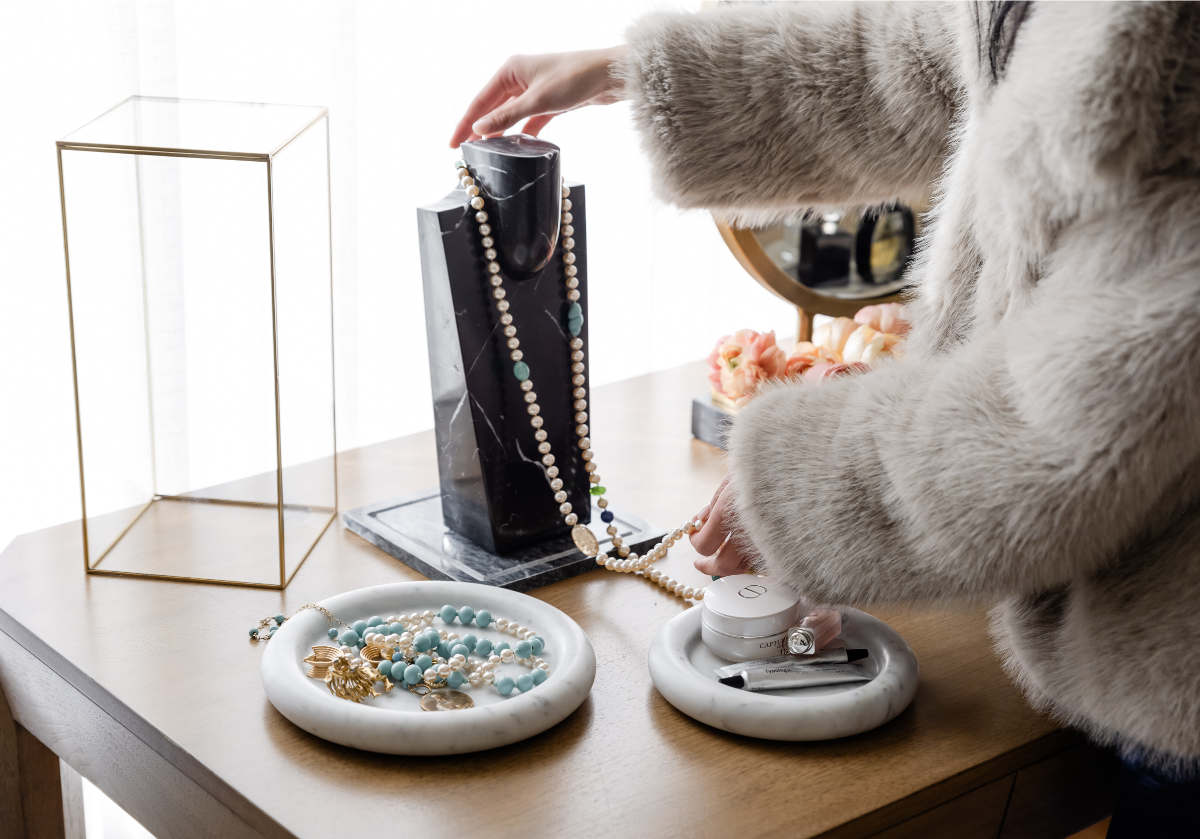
(1010,464)
(756,112)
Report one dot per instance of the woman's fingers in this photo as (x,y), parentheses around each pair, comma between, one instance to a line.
(711,535)
(727,561)
(535,124)
(499,88)
(507,115)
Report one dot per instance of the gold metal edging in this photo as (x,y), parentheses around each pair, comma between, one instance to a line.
(332,321)
(158,151)
(322,115)
(62,198)
(275,352)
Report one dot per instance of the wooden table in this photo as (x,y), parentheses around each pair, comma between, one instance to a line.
(151,690)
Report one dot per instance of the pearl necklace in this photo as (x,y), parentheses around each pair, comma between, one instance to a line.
(626,561)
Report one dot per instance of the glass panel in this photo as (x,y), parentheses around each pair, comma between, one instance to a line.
(193,124)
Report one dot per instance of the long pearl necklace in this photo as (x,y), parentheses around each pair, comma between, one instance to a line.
(626,561)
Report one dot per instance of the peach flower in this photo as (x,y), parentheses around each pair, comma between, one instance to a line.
(740,362)
(803,356)
(885,317)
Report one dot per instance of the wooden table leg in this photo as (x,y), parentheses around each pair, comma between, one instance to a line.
(40,780)
(12,819)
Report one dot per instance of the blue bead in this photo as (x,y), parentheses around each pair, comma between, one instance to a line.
(360,627)
(503,645)
(444,649)
(521,371)
(455,679)
(460,649)
(448,613)
(465,614)
(471,641)
(349,638)
(482,618)
(606,516)
(374,620)
(538,643)
(333,633)
(412,674)
(524,649)
(505,685)
(421,642)
(396,628)
(254,633)
(524,683)
(279,619)
(384,668)
(484,647)
(397,658)
(539,676)
(424,662)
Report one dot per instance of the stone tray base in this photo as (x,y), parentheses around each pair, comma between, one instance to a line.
(412,530)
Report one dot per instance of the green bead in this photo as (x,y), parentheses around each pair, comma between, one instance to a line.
(333,632)
(524,682)
(460,649)
(253,633)
(537,643)
(279,619)
(524,649)
(574,319)
(443,649)
(396,628)
(359,626)
(505,685)
(412,674)
(350,638)
(421,643)
(484,647)
(466,614)
(424,662)
(374,620)
(482,618)
(521,371)
(599,490)
(455,679)
(470,641)
(384,668)
(448,613)
(539,676)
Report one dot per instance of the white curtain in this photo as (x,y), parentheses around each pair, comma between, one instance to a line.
(396,77)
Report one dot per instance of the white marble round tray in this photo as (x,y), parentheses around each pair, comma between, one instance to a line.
(682,668)
(394,723)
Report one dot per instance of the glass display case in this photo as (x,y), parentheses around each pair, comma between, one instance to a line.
(199,280)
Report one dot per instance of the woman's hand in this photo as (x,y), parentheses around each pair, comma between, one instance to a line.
(722,555)
(539,88)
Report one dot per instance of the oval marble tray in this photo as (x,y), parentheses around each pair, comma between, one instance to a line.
(681,667)
(394,723)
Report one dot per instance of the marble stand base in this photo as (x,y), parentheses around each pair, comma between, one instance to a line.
(413,530)
(710,422)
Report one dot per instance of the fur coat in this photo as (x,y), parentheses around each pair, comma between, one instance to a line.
(1038,448)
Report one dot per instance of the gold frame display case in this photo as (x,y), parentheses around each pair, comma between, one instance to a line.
(199,267)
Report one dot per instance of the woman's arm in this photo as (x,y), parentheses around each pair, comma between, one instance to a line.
(1019,460)
(779,107)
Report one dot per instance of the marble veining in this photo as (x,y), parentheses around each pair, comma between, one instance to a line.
(681,667)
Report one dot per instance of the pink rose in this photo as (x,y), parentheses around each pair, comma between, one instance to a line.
(740,362)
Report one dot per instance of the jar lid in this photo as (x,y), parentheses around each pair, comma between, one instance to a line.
(749,606)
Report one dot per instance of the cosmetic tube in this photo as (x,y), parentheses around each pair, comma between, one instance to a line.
(836,656)
(793,675)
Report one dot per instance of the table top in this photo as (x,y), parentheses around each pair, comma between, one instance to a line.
(172,660)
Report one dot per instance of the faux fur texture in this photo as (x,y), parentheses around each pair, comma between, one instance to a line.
(1039,447)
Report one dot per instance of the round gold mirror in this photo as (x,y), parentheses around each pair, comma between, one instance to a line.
(832,264)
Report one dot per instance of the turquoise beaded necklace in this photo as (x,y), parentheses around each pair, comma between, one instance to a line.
(377,653)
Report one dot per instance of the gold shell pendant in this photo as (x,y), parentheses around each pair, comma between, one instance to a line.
(585,540)
(446,700)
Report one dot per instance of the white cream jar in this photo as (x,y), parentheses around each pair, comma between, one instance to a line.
(744,617)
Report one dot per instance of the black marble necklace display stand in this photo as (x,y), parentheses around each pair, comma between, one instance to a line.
(494,519)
